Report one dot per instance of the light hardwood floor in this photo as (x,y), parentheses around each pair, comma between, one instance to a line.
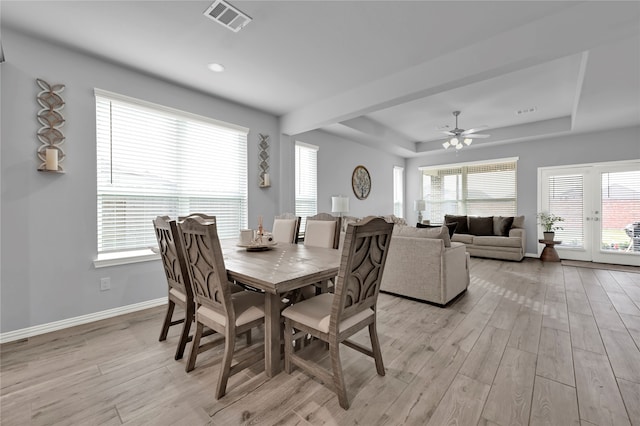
(529,343)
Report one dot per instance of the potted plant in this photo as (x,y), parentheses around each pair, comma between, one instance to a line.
(548,222)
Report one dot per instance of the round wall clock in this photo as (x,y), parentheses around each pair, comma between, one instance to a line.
(361,182)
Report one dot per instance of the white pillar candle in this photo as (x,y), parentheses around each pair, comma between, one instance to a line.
(52,159)
(266,179)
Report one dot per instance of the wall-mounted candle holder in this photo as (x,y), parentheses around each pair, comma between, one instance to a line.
(50,154)
(263,154)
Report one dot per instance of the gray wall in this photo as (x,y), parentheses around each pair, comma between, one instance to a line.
(612,145)
(48,223)
(337,157)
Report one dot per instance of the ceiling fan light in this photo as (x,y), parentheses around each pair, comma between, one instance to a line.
(446,144)
(454,141)
(467,141)
(459,146)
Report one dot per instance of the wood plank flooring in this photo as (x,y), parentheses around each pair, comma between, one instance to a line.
(529,343)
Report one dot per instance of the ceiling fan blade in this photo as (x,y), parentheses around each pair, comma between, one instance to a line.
(479,136)
(448,133)
(475,129)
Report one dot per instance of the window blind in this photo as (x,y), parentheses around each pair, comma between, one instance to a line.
(566,199)
(306,182)
(477,189)
(152,161)
(398,191)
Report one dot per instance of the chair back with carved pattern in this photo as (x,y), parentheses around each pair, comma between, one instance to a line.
(171,253)
(363,259)
(205,264)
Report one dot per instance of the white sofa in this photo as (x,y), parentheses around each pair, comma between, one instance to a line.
(424,264)
(497,245)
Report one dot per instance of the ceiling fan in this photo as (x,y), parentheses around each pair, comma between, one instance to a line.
(461,137)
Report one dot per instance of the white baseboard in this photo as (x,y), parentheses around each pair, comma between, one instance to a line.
(24,333)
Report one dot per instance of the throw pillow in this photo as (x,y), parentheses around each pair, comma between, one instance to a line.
(451,226)
(481,226)
(505,226)
(499,225)
(518,222)
(462,227)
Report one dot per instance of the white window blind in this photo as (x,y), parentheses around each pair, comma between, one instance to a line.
(306,182)
(152,160)
(477,189)
(398,191)
(566,199)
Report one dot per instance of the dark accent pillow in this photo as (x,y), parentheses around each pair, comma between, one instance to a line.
(481,225)
(505,226)
(462,227)
(451,226)
(422,225)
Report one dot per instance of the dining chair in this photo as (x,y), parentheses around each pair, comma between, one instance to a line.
(322,230)
(230,314)
(333,318)
(286,228)
(179,285)
(235,287)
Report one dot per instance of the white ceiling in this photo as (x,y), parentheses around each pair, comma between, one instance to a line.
(385,73)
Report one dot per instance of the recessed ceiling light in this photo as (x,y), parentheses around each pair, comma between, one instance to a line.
(216,67)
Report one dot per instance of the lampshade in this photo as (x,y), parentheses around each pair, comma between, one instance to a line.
(339,204)
(419,205)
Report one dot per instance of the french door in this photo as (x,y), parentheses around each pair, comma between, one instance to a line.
(601,207)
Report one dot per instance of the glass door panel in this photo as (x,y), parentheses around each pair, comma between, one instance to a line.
(617,217)
(564,193)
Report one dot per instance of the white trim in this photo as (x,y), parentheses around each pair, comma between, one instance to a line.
(157,107)
(632,161)
(307,145)
(24,333)
(124,257)
(470,163)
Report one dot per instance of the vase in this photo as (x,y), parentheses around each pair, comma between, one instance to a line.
(549,236)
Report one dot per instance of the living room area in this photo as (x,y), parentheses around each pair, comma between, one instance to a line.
(527,342)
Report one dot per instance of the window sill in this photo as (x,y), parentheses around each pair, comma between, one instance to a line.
(125,257)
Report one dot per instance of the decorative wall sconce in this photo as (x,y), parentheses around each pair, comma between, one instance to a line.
(340,204)
(263,154)
(50,154)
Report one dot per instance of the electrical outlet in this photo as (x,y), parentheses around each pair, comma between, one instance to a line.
(105,284)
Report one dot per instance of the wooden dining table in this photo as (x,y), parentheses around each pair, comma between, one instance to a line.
(282,268)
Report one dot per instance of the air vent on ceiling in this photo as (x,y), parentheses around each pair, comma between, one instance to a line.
(227,15)
(526,110)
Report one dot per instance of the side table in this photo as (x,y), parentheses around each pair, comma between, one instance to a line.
(549,253)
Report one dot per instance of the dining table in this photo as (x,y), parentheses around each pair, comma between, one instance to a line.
(276,270)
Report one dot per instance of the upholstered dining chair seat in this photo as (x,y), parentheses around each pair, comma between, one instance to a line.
(248,306)
(316,313)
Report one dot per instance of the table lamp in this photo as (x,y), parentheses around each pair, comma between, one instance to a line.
(419,206)
(339,204)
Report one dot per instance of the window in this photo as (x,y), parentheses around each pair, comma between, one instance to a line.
(475,189)
(398,191)
(153,160)
(306,182)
